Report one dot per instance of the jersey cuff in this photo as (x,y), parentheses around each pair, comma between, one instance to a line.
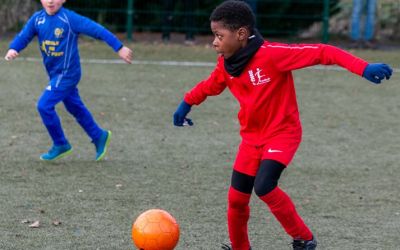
(117,48)
(186,99)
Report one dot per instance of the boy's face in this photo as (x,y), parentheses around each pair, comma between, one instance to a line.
(52,6)
(227,42)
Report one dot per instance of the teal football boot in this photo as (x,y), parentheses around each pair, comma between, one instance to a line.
(57,152)
(101,144)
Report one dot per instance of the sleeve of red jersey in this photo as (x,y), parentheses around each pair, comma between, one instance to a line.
(296,56)
(213,85)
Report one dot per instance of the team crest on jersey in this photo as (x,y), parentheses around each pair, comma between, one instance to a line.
(58,32)
(257,77)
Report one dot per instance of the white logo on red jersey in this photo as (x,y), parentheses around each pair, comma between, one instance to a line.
(270,150)
(257,78)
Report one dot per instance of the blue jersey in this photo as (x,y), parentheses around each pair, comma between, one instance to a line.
(58,42)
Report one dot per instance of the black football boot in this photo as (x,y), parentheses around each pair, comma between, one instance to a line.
(305,244)
(227,247)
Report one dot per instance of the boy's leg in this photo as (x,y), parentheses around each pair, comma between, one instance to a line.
(189,7)
(370,20)
(75,106)
(242,182)
(100,137)
(355,19)
(167,19)
(46,107)
(280,204)
(239,210)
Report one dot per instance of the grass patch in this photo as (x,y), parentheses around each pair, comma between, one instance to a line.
(344,178)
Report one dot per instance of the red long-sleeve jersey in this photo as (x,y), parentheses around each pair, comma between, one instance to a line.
(265,89)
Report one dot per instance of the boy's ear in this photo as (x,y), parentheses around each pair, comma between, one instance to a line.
(242,34)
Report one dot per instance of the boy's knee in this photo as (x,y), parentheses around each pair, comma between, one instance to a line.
(44,108)
(70,109)
(41,107)
(237,200)
(75,109)
(264,186)
(235,203)
(267,177)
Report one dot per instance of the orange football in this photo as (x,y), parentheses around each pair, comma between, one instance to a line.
(155,229)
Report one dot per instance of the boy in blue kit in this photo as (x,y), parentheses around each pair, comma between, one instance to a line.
(58,30)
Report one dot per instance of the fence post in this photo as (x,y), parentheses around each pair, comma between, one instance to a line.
(325,21)
(129,20)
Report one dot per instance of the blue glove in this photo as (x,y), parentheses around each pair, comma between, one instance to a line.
(376,72)
(180,115)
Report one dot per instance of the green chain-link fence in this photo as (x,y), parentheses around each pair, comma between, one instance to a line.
(274,17)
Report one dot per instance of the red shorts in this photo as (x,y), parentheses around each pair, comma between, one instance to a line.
(249,157)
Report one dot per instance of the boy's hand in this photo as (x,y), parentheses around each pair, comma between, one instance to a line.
(11,55)
(126,54)
(376,72)
(180,115)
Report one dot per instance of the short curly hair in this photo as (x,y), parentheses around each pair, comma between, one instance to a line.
(233,15)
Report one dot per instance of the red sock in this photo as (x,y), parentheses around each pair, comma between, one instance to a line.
(285,212)
(238,215)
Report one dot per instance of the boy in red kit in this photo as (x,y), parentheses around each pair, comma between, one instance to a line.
(258,73)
